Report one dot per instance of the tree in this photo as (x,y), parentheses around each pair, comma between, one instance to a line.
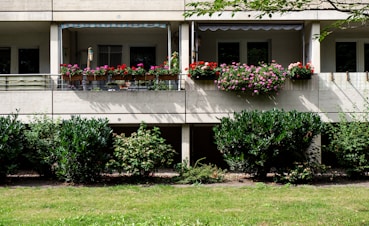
(357,11)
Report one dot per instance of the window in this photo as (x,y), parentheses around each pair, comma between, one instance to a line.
(29,61)
(228,52)
(145,55)
(110,55)
(346,56)
(257,52)
(4,60)
(366,57)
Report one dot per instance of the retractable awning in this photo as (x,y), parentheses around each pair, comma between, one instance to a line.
(247,27)
(113,25)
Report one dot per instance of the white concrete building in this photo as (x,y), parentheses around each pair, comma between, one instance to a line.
(38,35)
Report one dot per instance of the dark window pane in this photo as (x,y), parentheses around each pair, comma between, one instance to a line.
(4,60)
(257,52)
(366,57)
(110,55)
(29,61)
(228,52)
(145,55)
(346,56)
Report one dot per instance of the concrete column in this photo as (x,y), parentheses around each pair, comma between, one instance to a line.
(186,143)
(184,51)
(54,52)
(315,46)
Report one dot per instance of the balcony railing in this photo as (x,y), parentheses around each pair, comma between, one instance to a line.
(27,82)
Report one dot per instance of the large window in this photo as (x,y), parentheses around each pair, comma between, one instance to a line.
(257,52)
(346,56)
(228,52)
(29,61)
(366,56)
(4,60)
(110,55)
(145,55)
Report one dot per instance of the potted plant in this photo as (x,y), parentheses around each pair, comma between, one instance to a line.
(100,73)
(71,72)
(202,70)
(299,71)
(265,78)
(122,72)
(165,71)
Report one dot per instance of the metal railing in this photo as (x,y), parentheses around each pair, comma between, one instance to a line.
(20,82)
(28,82)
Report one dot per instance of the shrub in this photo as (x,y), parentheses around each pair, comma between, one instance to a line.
(255,141)
(144,152)
(199,173)
(11,143)
(350,143)
(42,139)
(83,149)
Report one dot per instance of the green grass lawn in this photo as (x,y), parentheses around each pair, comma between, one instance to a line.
(192,205)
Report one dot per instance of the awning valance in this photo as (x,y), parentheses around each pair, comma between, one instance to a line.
(112,25)
(247,27)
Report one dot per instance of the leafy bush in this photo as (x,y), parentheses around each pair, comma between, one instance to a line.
(144,152)
(350,143)
(83,149)
(42,140)
(11,143)
(255,141)
(199,173)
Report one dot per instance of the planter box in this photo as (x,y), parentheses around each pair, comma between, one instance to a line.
(72,78)
(168,77)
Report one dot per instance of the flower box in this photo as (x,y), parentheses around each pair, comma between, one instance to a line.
(122,77)
(168,77)
(72,78)
(150,77)
(298,71)
(96,77)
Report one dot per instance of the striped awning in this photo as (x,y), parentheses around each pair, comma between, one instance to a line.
(247,27)
(113,25)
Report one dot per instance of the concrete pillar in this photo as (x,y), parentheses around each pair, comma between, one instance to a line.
(315,46)
(315,60)
(54,52)
(186,143)
(184,51)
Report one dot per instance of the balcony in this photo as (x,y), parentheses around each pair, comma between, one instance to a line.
(329,94)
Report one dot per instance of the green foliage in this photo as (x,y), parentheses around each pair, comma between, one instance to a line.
(357,12)
(83,149)
(199,173)
(41,141)
(350,143)
(255,141)
(144,152)
(11,143)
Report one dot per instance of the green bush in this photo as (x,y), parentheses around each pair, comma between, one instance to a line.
(350,143)
(199,173)
(141,154)
(83,149)
(11,143)
(41,141)
(255,141)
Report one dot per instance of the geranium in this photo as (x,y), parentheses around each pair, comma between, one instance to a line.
(165,69)
(139,70)
(264,78)
(203,70)
(122,70)
(70,70)
(299,71)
